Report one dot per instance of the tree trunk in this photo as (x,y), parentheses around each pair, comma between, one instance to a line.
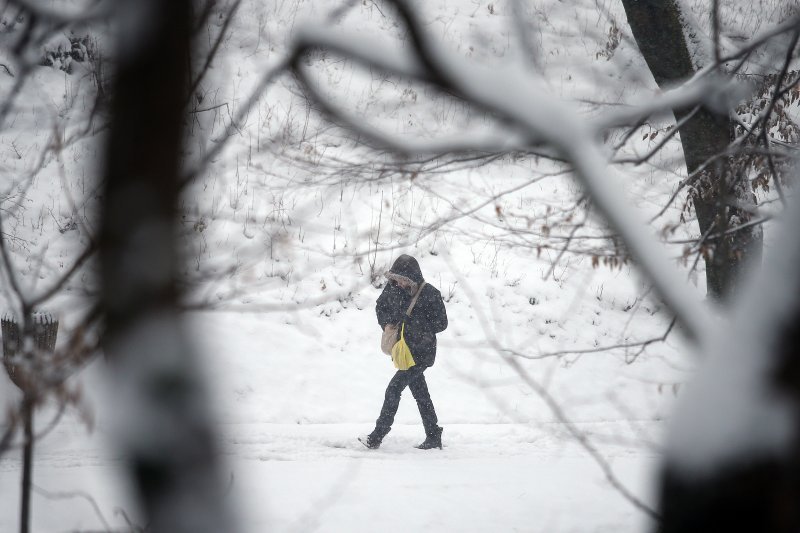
(756,492)
(659,35)
(741,488)
(27,464)
(165,428)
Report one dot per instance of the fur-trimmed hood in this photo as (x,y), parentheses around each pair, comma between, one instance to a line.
(407,266)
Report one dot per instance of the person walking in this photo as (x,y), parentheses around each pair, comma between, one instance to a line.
(428,317)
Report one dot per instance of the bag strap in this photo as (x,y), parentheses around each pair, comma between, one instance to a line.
(414,299)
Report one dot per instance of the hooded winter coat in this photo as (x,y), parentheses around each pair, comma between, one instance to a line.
(427,319)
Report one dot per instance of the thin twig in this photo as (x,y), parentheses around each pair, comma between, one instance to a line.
(640,344)
(215,47)
(773,101)
(69,495)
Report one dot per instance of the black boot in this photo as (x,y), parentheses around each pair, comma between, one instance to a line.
(432,441)
(370,441)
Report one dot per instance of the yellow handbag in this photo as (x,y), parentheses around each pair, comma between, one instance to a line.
(401,354)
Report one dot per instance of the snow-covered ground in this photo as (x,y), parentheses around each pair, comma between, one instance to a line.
(290,400)
(289,477)
(303,477)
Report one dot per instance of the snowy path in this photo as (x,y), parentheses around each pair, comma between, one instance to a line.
(290,413)
(489,477)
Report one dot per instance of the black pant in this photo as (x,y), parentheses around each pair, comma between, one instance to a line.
(414,379)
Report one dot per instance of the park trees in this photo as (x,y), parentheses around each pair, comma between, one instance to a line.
(712,468)
(532,122)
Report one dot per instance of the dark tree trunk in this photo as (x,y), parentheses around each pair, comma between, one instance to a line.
(27,464)
(165,431)
(757,492)
(658,33)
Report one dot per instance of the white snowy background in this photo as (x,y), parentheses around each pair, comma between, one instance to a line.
(280,234)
